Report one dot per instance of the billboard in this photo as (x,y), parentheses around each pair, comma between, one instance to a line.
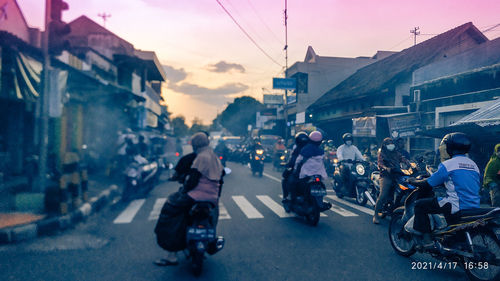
(273,99)
(364,127)
(285,83)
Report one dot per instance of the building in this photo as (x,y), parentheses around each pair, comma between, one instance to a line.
(383,87)
(317,74)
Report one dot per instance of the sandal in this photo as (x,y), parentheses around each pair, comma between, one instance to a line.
(165,262)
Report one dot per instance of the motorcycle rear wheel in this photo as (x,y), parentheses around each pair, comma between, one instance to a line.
(197,262)
(480,269)
(401,241)
(313,217)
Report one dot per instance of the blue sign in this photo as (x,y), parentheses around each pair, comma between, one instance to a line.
(285,83)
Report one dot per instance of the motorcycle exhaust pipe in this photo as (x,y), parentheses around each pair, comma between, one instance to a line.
(368,195)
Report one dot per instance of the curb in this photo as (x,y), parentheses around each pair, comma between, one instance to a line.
(54,224)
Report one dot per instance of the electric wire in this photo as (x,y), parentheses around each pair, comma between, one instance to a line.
(265,24)
(248,35)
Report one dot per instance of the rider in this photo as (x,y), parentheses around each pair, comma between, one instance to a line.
(460,176)
(203,183)
(389,160)
(301,139)
(278,150)
(346,154)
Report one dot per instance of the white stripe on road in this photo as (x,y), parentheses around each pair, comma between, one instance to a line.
(321,214)
(341,211)
(223,214)
(275,207)
(357,207)
(271,177)
(129,213)
(247,208)
(155,214)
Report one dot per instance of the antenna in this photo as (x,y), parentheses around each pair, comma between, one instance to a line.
(415,33)
(104,17)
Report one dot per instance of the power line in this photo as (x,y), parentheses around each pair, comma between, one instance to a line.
(262,20)
(246,33)
(406,39)
(491,28)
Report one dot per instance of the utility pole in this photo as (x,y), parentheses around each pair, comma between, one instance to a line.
(104,17)
(286,69)
(415,33)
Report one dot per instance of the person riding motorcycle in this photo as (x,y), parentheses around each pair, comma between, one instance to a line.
(301,139)
(222,151)
(310,160)
(461,178)
(202,184)
(346,154)
(389,161)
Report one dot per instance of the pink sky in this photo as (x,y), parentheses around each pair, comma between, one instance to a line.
(194,37)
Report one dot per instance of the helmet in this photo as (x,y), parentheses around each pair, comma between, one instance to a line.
(346,137)
(456,143)
(301,138)
(329,143)
(316,136)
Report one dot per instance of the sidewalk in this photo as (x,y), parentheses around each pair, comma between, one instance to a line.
(20,226)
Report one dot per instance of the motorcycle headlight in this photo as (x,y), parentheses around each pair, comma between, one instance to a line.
(360,169)
(282,157)
(134,182)
(257,158)
(259,151)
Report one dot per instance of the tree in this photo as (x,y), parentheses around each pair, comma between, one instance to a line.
(197,126)
(180,127)
(239,114)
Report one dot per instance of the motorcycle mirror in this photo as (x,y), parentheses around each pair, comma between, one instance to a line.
(227,170)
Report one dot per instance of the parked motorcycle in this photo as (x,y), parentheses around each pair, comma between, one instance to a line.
(308,202)
(471,241)
(359,181)
(140,177)
(257,162)
(201,235)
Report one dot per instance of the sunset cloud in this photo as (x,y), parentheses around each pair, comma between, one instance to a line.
(175,75)
(223,67)
(216,96)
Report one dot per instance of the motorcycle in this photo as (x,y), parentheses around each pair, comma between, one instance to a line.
(280,159)
(358,184)
(471,240)
(201,235)
(140,177)
(402,189)
(309,201)
(257,162)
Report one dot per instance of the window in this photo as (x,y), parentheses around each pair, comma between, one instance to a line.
(416,95)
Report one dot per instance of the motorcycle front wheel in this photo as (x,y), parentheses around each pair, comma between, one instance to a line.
(486,265)
(337,187)
(197,262)
(360,196)
(401,241)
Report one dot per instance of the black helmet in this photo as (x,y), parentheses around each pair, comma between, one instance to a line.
(456,143)
(347,136)
(301,139)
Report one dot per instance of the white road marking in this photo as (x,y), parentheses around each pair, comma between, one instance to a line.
(247,208)
(275,207)
(341,211)
(155,213)
(129,213)
(272,177)
(357,207)
(223,214)
(320,214)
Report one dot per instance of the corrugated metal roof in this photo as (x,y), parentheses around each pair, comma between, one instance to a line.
(486,116)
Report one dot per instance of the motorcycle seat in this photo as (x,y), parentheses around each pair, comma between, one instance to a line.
(478,213)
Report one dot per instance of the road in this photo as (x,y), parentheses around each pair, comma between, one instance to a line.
(262,243)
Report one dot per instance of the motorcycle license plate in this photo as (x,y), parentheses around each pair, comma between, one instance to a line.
(196,233)
(318,191)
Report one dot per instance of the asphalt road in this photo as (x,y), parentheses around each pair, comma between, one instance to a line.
(262,243)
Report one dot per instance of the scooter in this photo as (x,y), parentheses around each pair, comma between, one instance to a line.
(309,201)
(358,184)
(257,162)
(140,177)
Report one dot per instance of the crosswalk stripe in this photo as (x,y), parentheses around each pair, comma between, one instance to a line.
(157,209)
(275,207)
(271,177)
(357,207)
(223,214)
(341,211)
(320,214)
(129,213)
(247,208)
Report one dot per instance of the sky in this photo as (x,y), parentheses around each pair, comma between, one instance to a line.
(209,60)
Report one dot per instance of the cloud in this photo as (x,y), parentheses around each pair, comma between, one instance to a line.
(223,67)
(217,96)
(175,75)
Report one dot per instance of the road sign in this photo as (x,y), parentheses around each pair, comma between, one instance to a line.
(285,83)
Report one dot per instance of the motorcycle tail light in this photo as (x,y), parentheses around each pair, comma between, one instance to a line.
(317,180)
(220,157)
(177,154)
(402,187)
